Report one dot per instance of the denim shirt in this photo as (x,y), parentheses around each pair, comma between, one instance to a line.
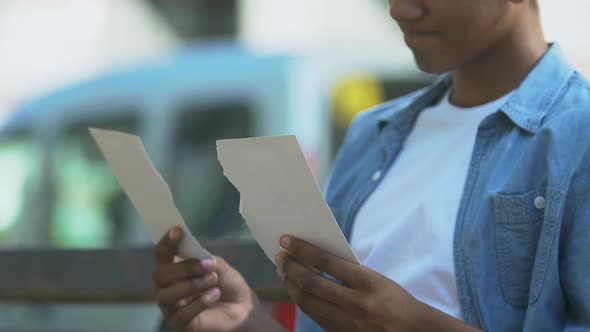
(522,234)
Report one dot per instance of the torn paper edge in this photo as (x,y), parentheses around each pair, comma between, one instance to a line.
(188,236)
(241,204)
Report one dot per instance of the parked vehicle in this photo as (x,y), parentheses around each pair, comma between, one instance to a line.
(58,191)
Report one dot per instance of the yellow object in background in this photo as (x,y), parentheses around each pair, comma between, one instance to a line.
(354,95)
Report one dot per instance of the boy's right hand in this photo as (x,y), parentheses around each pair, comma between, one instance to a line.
(204,296)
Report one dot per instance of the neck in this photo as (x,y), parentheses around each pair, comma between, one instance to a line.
(501,69)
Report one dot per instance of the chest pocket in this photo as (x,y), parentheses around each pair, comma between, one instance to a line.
(525,227)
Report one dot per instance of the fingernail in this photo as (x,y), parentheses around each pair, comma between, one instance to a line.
(211,296)
(208,264)
(279,258)
(285,242)
(175,234)
(210,279)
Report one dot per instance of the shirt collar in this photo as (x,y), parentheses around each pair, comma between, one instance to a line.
(536,95)
(526,108)
(402,119)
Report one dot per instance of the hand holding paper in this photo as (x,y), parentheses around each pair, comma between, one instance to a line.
(279,195)
(278,191)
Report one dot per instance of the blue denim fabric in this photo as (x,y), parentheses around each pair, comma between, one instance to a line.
(521,264)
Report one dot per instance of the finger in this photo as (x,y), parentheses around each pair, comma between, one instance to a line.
(182,290)
(174,272)
(323,261)
(321,311)
(221,265)
(184,316)
(167,247)
(168,311)
(311,282)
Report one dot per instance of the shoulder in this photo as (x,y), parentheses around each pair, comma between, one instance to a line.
(568,124)
(364,132)
(367,122)
(568,119)
(361,146)
(577,90)
(572,106)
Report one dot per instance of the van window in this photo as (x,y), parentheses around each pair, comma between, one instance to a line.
(20,179)
(206,199)
(89,208)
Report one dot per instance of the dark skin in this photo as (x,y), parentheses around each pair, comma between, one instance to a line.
(489,46)
(364,300)
(204,296)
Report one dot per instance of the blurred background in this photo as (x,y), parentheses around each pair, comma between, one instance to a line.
(181,74)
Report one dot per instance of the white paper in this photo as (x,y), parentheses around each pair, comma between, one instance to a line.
(146,189)
(279,195)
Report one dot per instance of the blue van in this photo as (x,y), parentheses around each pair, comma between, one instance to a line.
(61,191)
(58,191)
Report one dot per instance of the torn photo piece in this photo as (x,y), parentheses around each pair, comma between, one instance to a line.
(279,195)
(146,189)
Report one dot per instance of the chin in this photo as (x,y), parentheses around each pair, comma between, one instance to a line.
(433,62)
(432,67)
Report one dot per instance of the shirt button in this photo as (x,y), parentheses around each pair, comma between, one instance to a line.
(540,202)
(376,176)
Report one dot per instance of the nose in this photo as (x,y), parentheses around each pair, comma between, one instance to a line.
(406,10)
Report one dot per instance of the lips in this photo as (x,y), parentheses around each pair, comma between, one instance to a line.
(414,30)
(421,40)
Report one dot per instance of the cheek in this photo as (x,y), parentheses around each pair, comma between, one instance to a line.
(447,52)
(476,37)
(480,24)
(465,34)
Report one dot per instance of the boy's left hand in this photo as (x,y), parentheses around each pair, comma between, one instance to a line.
(364,301)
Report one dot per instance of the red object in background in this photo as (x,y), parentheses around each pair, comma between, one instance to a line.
(286,314)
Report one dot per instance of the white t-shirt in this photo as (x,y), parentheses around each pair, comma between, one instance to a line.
(405,228)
